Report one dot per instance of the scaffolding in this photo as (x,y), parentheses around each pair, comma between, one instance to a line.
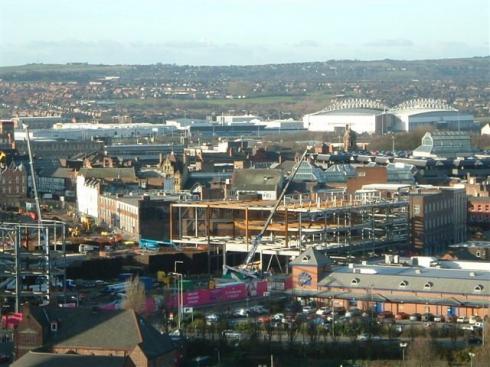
(338,223)
(33,261)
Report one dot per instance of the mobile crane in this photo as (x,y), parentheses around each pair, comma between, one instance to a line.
(243,271)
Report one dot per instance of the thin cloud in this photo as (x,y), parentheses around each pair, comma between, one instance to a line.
(390,43)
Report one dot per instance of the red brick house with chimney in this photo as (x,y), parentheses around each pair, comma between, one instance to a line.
(119,338)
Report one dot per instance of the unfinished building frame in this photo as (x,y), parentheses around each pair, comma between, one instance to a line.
(340,224)
(33,261)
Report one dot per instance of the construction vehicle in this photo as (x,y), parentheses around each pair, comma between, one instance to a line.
(87,223)
(245,271)
(74,231)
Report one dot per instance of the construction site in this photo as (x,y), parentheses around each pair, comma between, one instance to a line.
(33,262)
(338,224)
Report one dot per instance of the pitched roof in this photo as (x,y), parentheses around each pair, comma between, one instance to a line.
(113,330)
(124,173)
(256,179)
(411,279)
(36,359)
(311,257)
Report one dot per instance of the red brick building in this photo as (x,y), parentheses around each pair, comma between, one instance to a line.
(410,289)
(122,337)
(13,184)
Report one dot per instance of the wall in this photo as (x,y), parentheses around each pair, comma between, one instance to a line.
(366,176)
(87,197)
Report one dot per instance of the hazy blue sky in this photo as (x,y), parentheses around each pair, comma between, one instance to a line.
(221,32)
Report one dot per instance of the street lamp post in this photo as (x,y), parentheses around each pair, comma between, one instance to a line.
(180,292)
(175,265)
(403,345)
(472,355)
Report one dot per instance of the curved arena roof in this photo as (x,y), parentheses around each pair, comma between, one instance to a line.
(421,105)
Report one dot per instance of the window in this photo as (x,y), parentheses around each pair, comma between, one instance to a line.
(403,284)
(416,209)
(306,258)
(355,281)
(478,288)
(428,285)
(478,254)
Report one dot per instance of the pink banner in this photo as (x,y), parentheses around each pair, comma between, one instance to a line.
(208,296)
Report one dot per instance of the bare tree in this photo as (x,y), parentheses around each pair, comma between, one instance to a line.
(421,352)
(135,295)
(483,354)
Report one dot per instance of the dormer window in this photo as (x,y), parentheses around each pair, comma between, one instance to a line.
(355,281)
(306,258)
(478,288)
(428,285)
(403,284)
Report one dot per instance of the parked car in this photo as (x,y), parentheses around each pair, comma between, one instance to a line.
(438,318)
(211,318)
(278,317)
(426,317)
(385,315)
(362,337)
(401,316)
(292,307)
(462,319)
(308,309)
(415,317)
(240,312)
(469,327)
(232,335)
(258,310)
(474,319)
(353,312)
(322,311)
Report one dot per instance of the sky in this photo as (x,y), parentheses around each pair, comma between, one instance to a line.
(239,32)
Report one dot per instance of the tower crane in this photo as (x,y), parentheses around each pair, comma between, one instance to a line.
(243,270)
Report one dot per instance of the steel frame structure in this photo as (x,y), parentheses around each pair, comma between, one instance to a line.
(43,263)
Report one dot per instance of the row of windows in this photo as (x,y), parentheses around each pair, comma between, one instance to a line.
(427,286)
(10,190)
(10,181)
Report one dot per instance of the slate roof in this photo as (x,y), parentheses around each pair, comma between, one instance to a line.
(256,179)
(455,281)
(113,330)
(124,173)
(36,359)
(311,257)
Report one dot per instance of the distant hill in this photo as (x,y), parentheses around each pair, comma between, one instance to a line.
(458,70)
